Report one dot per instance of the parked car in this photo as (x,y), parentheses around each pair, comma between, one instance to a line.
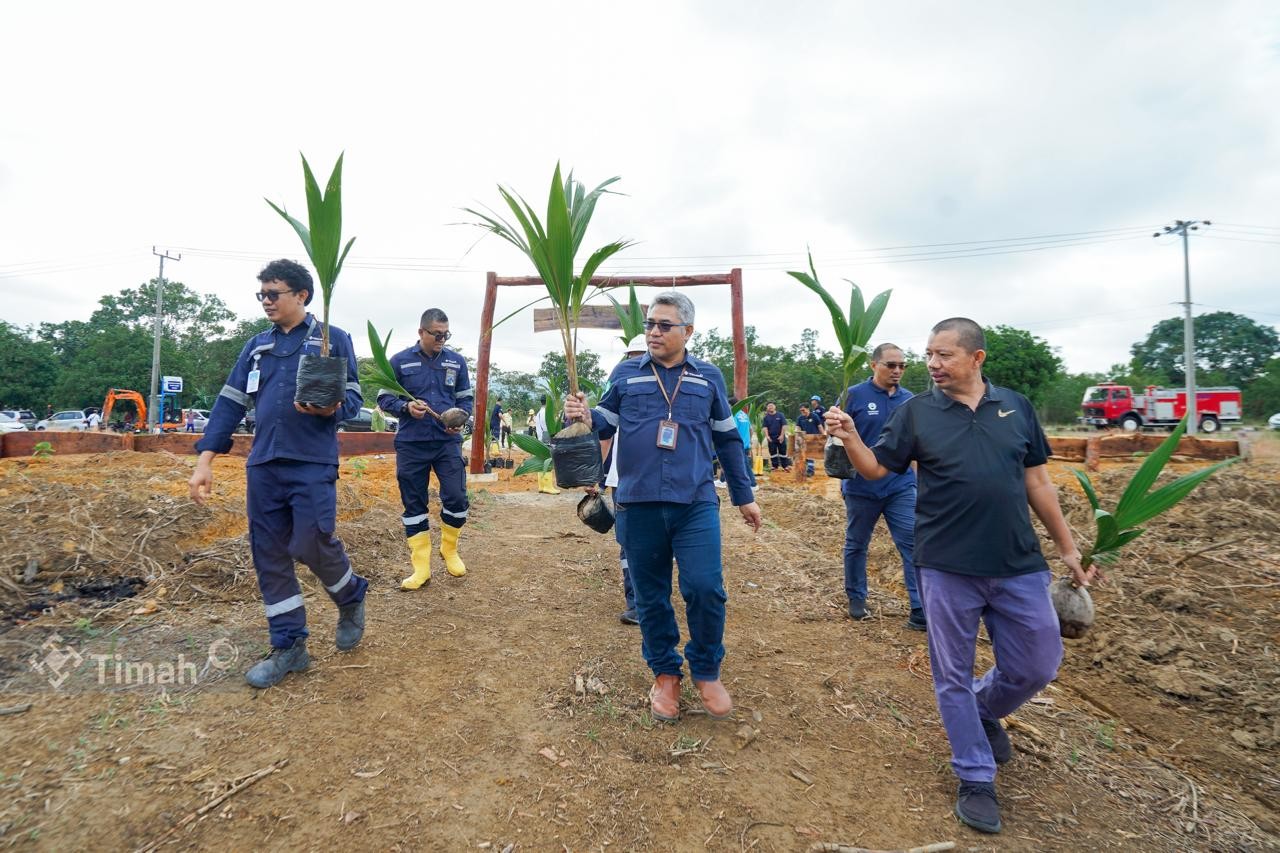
(25,416)
(1273,422)
(72,420)
(10,424)
(363,422)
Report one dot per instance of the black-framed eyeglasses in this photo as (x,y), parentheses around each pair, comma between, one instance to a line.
(439,336)
(271,295)
(661,325)
(895,365)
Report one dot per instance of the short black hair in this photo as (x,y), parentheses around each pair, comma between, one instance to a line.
(969,333)
(733,401)
(878,352)
(291,273)
(432,315)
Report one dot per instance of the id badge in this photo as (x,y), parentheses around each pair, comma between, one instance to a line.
(450,377)
(667,432)
(251,384)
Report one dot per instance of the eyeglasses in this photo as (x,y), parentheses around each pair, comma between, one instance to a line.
(439,336)
(661,325)
(895,365)
(271,295)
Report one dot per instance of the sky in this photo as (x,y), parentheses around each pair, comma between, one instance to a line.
(1003,161)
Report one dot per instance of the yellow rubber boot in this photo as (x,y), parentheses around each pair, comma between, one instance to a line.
(420,554)
(449,550)
(547,483)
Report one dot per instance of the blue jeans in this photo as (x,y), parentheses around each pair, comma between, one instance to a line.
(1024,635)
(653,534)
(619,527)
(899,511)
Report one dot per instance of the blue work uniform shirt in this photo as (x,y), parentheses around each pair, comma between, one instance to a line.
(441,381)
(809,424)
(633,407)
(281,431)
(871,406)
(972,516)
(775,425)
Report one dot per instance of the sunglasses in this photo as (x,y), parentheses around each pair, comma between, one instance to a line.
(895,365)
(661,325)
(439,336)
(271,295)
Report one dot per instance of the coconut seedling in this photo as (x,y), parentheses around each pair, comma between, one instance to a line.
(631,317)
(379,371)
(321,380)
(552,246)
(853,333)
(1119,526)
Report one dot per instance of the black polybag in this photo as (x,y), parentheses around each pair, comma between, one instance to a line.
(835,461)
(576,460)
(595,513)
(322,380)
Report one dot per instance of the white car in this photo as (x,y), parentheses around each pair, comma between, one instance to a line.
(73,420)
(1273,422)
(11,424)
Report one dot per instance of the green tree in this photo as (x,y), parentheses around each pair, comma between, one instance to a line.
(1061,398)
(28,369)
(1021,361)
(1262,395)
(587,363)
(788,375)
(1232,345)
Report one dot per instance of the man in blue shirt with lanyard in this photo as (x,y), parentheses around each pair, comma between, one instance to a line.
(982,459)
(670,413)
(437,377)
(291,470)
(870,404)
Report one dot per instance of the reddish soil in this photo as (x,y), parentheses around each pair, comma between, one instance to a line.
(508,707)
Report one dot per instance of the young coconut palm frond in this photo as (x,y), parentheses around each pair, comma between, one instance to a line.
(539,460)
(1139,504)
(553,246)
(323,238)
(631,317)
(853,332)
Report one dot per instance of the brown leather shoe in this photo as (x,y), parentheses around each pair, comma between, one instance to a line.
(715,699)
(664,698)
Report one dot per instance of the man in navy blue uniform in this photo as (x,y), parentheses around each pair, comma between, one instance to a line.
(809,423)
(870,404)
(670,413)
(291,470)
(437,377)
(815,406)
(775,429)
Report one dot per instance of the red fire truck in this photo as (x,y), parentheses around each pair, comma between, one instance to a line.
(1116,405)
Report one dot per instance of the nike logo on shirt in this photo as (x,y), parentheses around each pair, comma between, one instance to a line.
(1002,413)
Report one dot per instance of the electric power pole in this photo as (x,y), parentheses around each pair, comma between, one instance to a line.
(153,416)
(1181,227)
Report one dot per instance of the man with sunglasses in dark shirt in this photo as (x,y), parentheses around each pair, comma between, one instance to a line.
(291,471)
(437,377)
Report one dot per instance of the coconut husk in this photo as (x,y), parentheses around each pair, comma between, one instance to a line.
(453,418)
(574,430)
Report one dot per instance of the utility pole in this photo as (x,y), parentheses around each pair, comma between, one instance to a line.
(1181,227)
(153,416)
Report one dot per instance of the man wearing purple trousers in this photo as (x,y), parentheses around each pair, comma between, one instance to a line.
(981,459)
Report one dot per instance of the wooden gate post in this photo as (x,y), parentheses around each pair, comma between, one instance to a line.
(478,450)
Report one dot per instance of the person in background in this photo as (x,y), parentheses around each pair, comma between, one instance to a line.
(809,423)
(531,424)
(495,421)
(191,420)
(815,407)
(775,428)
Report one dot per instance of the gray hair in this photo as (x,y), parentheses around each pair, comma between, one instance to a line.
(968,333)
(678,301)
(878,352)
(432,315)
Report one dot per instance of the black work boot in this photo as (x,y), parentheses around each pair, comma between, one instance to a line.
(858,608)
(916,622)
(629,617)
(350,626)
(976,806)
(275,666)
(1001,749)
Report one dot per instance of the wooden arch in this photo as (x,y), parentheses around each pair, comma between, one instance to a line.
(493,281)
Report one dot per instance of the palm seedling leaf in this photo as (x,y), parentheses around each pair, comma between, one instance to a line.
(380,370)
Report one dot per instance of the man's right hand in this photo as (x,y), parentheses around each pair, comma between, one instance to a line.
(576,409)
(839,424)
(201,482)
(417,408)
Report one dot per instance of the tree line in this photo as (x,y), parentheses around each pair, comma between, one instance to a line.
(71,364)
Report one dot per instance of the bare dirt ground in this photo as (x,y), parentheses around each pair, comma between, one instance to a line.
(507,708)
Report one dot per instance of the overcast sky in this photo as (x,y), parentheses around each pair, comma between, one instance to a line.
(742,131)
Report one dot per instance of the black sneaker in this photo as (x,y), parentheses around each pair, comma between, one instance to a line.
(629,617)
(1001,749)
(858,609)
(916,622)
(976,806)
(350,626)
(270,670)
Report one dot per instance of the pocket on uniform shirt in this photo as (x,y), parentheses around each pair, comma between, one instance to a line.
(694,402)
(642,400)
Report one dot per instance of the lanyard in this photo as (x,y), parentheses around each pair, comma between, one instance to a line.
(670,398)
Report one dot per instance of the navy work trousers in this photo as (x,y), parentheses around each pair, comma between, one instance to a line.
(293,508)
(654,533)
(860,513)
(415,460)
(619,532)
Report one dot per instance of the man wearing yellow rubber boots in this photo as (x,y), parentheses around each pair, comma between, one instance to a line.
(437,377)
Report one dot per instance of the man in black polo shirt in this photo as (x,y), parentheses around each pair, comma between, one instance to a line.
(981,459)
